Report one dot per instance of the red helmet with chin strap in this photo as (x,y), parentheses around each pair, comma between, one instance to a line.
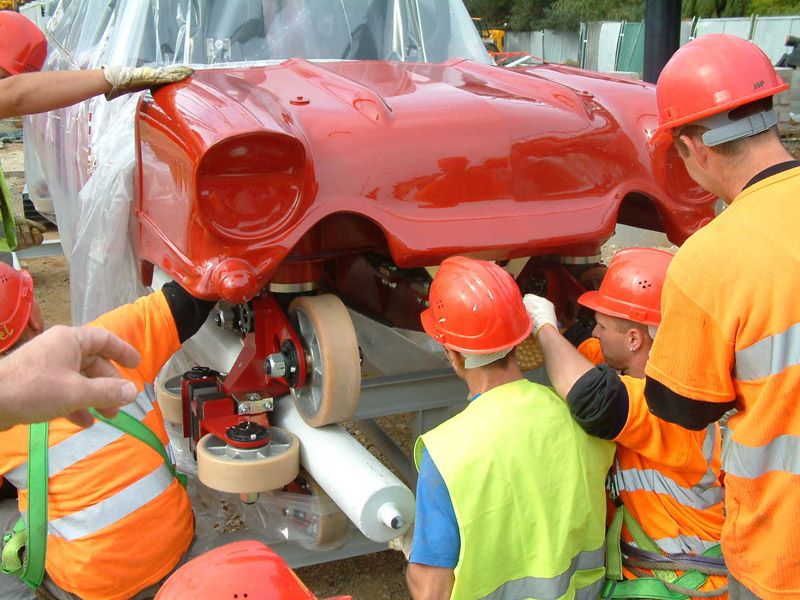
(23,46)
(631,288)
(475,307)
(707,79)
(16,303)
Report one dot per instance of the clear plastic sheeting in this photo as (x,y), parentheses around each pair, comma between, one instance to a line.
(87,152)
(314,522)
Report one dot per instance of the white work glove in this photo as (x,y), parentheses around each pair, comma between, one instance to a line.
(404,542)
(124,80)
(541,311)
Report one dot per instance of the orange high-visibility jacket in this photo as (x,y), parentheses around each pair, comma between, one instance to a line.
(731,331)
(667,476)
(118,521)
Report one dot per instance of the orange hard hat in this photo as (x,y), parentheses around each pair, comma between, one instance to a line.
(631,288)
(475,307)
(713,75)
(246,569)
(16,303)
(23,46)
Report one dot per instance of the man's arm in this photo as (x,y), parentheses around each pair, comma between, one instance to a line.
(31,93)
(437,543)
(564,364)
(596,397)
(429,583)
(189,312)
(686,412)
(689,370)
(61,373)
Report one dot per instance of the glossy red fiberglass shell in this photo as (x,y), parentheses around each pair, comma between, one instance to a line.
(243,169)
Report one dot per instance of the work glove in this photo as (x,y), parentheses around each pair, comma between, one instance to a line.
(124,80)
(404,542)
(29,233)
(541,311)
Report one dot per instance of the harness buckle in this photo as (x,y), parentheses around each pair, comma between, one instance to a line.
(14,543)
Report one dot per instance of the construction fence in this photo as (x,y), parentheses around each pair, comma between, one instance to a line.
(619,45)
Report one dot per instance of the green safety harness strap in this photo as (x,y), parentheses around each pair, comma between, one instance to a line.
(664,585)
(10,242)
(25,546)
(133,427)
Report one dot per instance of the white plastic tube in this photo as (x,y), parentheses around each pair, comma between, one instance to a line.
(379,504)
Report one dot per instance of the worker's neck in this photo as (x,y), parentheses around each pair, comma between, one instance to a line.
(483,379)
(762,155)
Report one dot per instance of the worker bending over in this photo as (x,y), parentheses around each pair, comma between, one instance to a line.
(665,480)
(510,498)
(116,517)
(730,332)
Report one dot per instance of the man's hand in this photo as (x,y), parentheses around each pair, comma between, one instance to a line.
(61,373)
(135,79)
(541,311)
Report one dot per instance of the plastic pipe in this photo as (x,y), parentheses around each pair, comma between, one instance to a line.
(379,504)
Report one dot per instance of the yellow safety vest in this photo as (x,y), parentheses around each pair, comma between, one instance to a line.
(528,490)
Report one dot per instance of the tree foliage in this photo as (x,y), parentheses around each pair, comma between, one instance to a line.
(528,15)
(716,8)
(774,7)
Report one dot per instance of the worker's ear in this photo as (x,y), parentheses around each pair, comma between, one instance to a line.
(691,146)
(456,360)
(635,339)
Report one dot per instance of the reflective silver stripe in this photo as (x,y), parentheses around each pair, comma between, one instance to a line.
(769,356)
(710,479)
(85,442)
(705,494)
(683,544)
(700,496)
(107,512)
(546,588)
(781,454)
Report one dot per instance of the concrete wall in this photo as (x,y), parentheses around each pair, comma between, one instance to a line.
(547,44)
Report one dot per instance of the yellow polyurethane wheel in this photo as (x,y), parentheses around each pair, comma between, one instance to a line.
(168,395)
(229,469)
(333,379)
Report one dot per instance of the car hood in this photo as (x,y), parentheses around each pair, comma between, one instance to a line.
(446,158)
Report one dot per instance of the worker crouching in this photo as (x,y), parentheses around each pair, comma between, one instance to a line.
(101,508)
(665,481)
(510,499)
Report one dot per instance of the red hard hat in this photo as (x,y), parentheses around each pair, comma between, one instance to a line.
(631,288)
(23,46)
(246,569)
(16,302)
(475,307)
(712,74)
